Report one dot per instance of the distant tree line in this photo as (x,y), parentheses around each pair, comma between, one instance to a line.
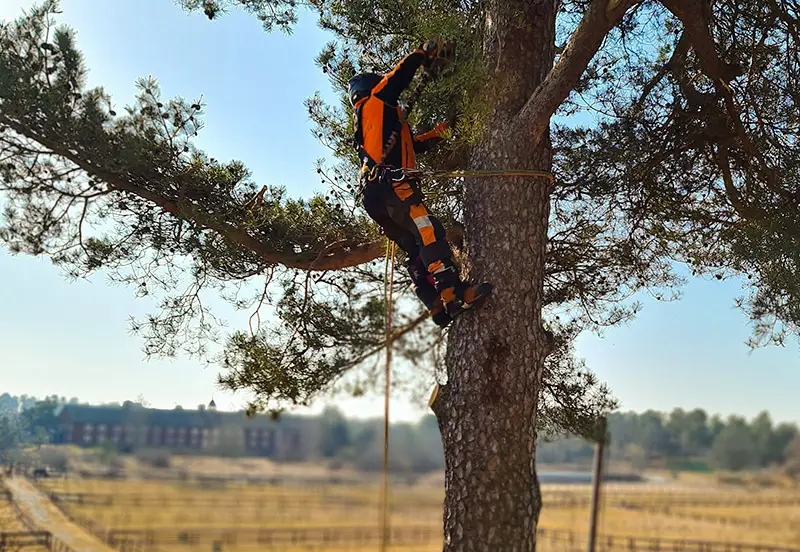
(681,440)
(688,440)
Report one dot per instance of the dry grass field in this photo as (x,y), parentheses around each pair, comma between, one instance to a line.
(191,516)
(9,522)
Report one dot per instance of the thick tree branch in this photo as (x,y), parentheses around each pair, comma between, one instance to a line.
(677,60)
(751,213)
(694,16)
(600,18)
(742,209)
(334,257)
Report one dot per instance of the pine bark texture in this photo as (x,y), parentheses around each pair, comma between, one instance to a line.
(487,409)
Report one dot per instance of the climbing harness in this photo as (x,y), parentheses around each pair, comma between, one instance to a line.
(370,174)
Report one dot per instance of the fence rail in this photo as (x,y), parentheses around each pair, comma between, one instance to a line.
(669,510)
(132,540)
(279,500)
(569,540)
(329,536)
(11,540)
(291,500)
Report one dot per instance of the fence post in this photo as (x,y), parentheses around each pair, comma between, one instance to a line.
(596,482)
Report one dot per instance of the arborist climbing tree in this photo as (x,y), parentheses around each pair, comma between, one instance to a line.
(386,147)
(683,160)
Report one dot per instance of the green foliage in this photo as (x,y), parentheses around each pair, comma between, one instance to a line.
(683,441)
(735,448)
(707,185)
(40,421)
(10,433)
(128,193)
(272,13)
(335,433)
(792,455)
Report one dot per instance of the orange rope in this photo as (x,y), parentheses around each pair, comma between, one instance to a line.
(480,174)
(385,484)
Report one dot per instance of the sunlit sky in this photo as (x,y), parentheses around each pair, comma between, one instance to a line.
(73,338)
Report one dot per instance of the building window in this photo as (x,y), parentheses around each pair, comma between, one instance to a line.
(116,433)
(87,433)
(181,435)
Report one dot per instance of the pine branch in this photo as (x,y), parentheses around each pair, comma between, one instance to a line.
(602,15)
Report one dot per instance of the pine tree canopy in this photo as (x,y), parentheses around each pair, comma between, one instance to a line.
(673,125)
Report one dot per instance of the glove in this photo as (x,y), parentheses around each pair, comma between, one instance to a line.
(431,48)
(446,52)
(441,129)
(437,56)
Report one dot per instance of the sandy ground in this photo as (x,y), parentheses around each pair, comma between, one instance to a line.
(47,517)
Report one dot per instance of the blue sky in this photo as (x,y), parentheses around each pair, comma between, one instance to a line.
(72,337)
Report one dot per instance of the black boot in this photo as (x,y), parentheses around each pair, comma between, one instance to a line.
(465,296)
(439,314)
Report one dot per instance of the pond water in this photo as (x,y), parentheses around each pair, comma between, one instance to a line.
(584,478)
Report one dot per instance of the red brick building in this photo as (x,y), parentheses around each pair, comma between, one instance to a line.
(205,429)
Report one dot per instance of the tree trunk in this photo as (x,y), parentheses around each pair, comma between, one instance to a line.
(487,409)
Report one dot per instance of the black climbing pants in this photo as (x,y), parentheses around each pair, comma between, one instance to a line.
(395,202)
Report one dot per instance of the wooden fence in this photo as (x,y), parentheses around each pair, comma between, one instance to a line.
(558,540)
(406,535)
(708,517)
(279,536)
(291,500)
(233,500)
(324,537)
(19,539)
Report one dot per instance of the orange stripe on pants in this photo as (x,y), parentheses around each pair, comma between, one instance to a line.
(403,190)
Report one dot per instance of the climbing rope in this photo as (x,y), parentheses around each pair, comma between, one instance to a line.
(417,173)
(388,289)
